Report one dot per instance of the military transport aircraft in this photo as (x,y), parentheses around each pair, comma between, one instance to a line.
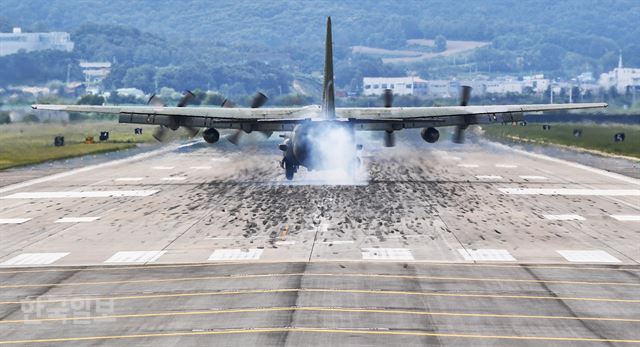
(320,137)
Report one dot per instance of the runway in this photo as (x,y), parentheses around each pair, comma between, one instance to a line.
(436,245)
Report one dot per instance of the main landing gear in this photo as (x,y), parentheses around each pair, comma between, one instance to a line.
(289,168)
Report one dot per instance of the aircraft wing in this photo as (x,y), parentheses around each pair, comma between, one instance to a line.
(284,119)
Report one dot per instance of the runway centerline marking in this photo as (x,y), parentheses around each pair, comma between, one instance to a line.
(355,275)
(162,168)
(322,290)
(359,331)
(506,166)
(14,220)
(383,311)
(76,194)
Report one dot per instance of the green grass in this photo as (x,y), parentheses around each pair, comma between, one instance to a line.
(32,143)
(594,137)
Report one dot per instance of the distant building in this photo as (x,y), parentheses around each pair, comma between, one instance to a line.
(94,74)
(399,85)
(16,41)
(622,78)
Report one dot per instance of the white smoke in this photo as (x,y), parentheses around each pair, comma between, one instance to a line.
(333,149)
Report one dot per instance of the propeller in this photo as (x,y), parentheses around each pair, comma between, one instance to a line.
(161,132)
(458,134)
(389,135)
(258,101)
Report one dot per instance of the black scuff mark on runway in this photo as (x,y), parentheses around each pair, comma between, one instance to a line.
(596,331)
(415,285)
(291,316)
(39,294)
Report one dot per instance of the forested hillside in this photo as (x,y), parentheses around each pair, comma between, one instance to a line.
(240,46)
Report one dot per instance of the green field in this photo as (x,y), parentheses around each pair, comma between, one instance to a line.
(31,143)
(594,137)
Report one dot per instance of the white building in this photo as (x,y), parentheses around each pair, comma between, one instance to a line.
(399,85)
(94,74)
(16,41)
(621,78)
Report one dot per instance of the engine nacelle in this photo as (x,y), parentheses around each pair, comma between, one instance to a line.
(211,135)
(430,135)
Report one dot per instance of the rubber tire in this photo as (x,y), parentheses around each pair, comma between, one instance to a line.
(289,169)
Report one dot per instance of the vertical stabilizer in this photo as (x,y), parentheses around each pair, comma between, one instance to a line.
(328,95)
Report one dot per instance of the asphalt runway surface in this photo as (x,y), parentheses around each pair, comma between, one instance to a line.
(195,244)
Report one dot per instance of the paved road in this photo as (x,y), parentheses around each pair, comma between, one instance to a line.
(452,245)
(322,303)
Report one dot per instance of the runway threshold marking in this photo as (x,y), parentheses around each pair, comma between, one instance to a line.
(321,290)
(35,259)
(251,276)
(590,256)
(425,264)
(626,217)
(357,331)
(318,309)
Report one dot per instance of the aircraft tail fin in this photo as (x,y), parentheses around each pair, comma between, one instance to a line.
(328,94)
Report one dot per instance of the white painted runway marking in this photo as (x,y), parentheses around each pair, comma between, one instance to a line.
(135,257)
(386,254)
(162,167)
(507,166)
(575,165)
(200,167)
(488,177)
(134,158)
(34,259)
(626,217)
(486,254)
(596,256)
(338,242)
(283,243)
(533,177)
(222,159)
(129,179)
(468,165)
(77,219)
(563,191)
(177,178)
(236,254)
(13,220)
(87,194)
(563,217)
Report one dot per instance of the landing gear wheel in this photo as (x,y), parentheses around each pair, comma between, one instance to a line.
(289,169)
